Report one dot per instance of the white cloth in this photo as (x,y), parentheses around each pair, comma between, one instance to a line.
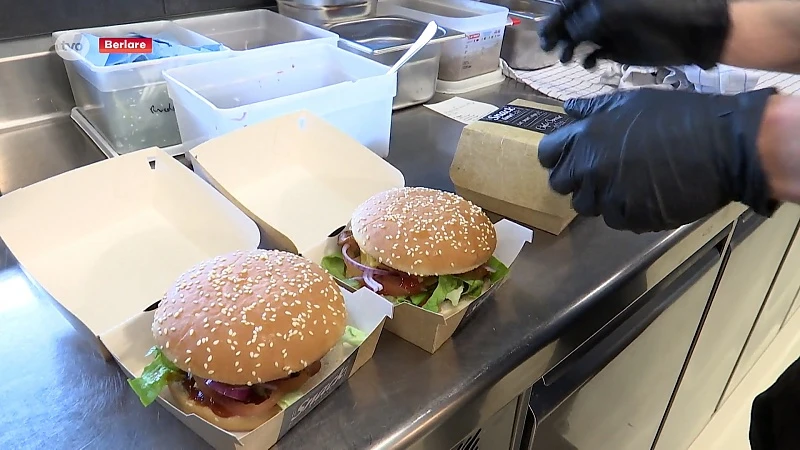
(720,79)
(563,81)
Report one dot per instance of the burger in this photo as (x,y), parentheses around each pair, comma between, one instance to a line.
(420,246)
(238,334)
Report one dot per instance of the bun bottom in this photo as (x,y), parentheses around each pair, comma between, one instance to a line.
(234,423)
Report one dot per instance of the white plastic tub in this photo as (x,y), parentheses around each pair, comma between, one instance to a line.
(129,103)
(478,53)
(352,93)
(259,28)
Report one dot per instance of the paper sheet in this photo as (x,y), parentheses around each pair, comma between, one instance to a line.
(463,110)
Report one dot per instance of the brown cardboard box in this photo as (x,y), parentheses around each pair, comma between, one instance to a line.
(496,166)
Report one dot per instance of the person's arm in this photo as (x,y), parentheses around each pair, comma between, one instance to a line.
(764,35)
(779,147)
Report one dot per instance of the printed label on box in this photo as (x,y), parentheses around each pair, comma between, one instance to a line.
(532,119)
(300,408)
(477,304)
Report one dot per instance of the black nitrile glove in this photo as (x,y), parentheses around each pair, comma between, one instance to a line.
(641,32)
(651,160)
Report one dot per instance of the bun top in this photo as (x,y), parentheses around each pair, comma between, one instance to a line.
(424,232)
(250,317)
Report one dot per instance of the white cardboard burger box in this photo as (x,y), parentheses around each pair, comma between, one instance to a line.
(107,240)
(300,179)
(297,176)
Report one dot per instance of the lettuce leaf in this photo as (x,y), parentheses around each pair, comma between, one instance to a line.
(455,295)
(417,299)
(500,270)
(473,288)
(353,336)
(455,289)
(334,265)
(446,284)
(289,398)
(449,287)
(155,377)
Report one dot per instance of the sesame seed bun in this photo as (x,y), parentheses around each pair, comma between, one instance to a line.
(250,317)
(234,423)
(424,232)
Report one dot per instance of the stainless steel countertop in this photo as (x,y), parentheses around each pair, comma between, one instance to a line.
(58,393)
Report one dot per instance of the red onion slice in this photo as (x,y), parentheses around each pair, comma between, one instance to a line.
(371,283)
(364,268)
(241,393)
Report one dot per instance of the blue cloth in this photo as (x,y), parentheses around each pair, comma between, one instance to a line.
(165,45)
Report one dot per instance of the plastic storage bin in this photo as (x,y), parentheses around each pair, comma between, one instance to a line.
(129,103)
(248,30)
(352,93)
(478,53)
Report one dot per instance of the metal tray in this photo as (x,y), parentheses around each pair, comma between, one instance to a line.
(385,39)
(521,49)
(380,35)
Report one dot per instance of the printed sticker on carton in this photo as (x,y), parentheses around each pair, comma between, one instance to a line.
(299,409)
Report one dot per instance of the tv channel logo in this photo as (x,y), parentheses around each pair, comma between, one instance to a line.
(72,46)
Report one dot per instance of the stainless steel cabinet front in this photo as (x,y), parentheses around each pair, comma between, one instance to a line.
(756,251)
(622,406)
(782,226)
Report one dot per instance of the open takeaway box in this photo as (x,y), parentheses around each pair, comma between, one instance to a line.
(301,179)
(107,240)
(504,146)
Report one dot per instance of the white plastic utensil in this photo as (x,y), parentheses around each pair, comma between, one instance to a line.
(422,40)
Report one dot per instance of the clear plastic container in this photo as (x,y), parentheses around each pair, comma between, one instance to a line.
(478,53)
(129,103)
(351,92)
(248,30)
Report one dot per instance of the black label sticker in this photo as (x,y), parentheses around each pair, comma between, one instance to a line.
(300,408)
(532,119)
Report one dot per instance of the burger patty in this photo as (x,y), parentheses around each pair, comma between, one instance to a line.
(259,397)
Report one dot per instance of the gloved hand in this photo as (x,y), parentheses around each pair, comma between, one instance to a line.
(651,160)
(641,32)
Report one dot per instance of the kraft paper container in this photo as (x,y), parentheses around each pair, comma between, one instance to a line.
(429,330)
(497,165)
